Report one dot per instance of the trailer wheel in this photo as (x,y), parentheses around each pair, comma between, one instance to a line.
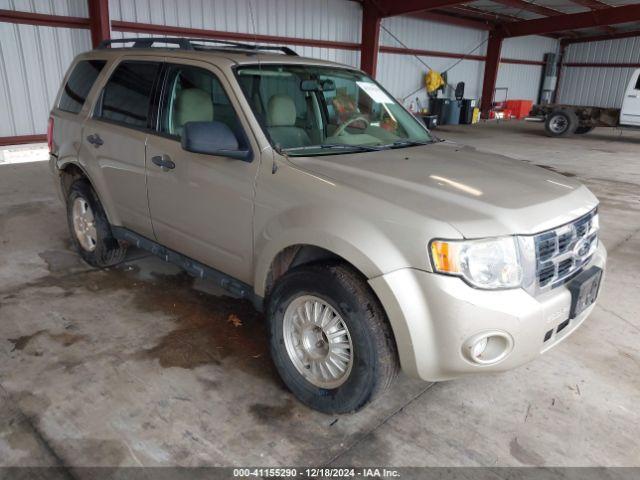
(561,123)
(583,130)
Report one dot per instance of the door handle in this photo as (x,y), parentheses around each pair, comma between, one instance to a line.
(633,95)
(164,162)
(95,140)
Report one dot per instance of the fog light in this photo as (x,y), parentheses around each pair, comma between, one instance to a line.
(487,348)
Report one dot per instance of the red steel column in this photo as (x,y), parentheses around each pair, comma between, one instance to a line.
(491,65)
(99,19)
(370,38)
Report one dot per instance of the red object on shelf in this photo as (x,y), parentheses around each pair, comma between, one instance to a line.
(519,108)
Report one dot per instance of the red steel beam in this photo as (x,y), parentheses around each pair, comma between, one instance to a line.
(602,65)
(390,8)
(120,26)
(464,56)
(370,38)
(429,53)
(597,38)
(493,16)
(41,19)
(99,16)
(491,65)
(558,23)
(454,20)
(591,4)
(529,7)
(22,139)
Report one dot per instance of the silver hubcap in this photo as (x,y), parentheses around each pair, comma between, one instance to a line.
(318,341)
(558,124)
(84,224)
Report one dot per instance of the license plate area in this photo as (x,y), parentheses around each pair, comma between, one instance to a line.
(584,290)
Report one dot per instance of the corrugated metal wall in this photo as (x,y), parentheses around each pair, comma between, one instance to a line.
(34,59)
(404,74)
(523,81)
(73,8)
(337,20)
(598,86)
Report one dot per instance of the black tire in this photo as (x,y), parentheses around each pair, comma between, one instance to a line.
(108,251)
(375,359)
(583,130)
(561,123)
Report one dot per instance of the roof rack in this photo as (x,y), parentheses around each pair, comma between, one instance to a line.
(188,44)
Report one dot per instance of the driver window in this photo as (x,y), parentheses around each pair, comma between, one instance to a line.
(195,95)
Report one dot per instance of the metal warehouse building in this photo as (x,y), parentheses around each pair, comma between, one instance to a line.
(598,49)
(319,239)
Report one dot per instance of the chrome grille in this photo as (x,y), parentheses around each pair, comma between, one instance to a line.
(563,251)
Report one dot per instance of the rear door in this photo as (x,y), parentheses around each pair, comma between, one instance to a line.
(202,207)
(71,107)
(630,114)
(115,137)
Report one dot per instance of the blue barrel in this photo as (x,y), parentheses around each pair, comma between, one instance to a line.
(452,113)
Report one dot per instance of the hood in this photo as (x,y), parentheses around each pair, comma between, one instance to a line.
(478,193)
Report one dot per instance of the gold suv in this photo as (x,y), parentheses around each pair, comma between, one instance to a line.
(303,186)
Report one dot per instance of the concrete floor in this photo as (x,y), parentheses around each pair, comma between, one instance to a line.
(142,365)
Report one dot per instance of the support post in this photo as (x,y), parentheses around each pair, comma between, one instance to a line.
(491,66)
(554,97)
(99,20)
(370,44)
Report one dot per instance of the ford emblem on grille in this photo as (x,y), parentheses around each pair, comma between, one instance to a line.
(582,248)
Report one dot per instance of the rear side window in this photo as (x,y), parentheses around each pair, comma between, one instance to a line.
(80,82)
(126,96)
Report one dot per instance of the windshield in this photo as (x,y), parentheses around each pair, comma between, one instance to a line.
(314,110)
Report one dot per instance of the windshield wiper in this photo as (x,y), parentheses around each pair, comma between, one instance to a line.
(407,143)
(337,146)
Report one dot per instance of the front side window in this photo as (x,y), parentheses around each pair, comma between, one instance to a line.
(638,83)
(126,96)
(313,110)
(80,81)
(195,95)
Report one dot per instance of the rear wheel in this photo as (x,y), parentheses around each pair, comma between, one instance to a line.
(89,228)
(560,123)
(330,339)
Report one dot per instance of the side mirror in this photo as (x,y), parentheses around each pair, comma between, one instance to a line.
(213,138)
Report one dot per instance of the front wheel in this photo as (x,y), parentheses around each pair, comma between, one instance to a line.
(330,339)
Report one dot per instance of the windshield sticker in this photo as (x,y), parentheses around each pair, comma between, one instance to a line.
(374,91)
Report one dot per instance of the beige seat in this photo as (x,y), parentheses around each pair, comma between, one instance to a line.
(281,123)
(191,105)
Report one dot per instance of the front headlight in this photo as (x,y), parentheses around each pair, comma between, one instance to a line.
(488,263)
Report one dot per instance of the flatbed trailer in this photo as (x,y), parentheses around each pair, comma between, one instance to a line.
(562,120)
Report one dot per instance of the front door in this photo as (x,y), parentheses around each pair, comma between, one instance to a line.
(114,141)
(630,114)
(202,206)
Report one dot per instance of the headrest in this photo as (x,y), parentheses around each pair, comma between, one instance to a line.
(281,111)
(192,105)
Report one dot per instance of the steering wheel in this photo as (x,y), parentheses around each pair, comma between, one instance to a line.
(344,126)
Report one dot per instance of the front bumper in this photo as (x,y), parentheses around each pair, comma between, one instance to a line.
(433,316)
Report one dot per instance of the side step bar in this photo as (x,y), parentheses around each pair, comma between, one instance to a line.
(199,270)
